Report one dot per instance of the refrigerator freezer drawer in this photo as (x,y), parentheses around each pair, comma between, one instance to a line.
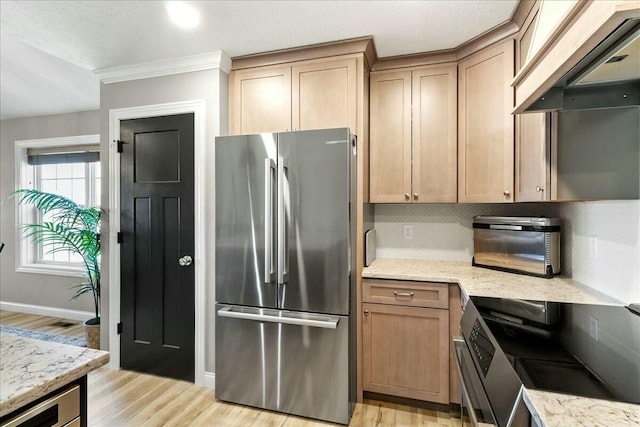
(291,362)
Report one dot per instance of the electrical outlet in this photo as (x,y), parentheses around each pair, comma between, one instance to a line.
(407,231)
(594,326)
(593,247)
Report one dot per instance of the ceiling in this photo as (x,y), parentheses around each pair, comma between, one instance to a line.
(50,48)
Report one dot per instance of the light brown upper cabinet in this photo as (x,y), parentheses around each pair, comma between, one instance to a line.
(533,160)
(413,135)
(486,126)
(324,94)
(315,94)
(260,100)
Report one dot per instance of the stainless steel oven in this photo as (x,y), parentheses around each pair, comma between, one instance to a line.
(490,388)
(475,409)
(509,345)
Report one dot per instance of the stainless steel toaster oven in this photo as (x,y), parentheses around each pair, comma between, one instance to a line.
(526,245)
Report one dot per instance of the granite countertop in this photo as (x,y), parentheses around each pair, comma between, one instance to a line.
(560,410)
(479,281)
(30,369)
(553,409)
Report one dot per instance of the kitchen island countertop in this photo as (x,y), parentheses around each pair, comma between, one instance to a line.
(30,368)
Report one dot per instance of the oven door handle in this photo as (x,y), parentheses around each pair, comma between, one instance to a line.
(459,343)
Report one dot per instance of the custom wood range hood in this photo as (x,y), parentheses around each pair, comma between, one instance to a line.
(587,57)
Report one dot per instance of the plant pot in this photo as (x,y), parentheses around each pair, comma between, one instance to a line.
(92,333)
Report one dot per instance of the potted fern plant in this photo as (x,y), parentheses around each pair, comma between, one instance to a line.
(69,227)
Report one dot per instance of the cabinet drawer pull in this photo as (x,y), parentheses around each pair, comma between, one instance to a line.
(403,294)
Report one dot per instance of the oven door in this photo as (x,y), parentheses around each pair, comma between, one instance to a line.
(475,410)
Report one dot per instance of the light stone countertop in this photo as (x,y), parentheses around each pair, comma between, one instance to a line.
(479,281)
(560,410)
(30,368)
(553,409)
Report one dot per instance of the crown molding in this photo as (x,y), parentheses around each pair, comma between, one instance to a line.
(165,67)
(362,45)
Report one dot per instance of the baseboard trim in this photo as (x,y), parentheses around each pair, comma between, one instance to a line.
(46,311)
(210,380)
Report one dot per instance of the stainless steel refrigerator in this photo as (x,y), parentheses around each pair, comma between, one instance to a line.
(285,272)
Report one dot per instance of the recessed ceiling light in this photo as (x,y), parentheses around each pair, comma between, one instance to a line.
(182,14)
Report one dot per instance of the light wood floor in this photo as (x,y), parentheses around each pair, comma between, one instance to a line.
(129,399)
(54,325)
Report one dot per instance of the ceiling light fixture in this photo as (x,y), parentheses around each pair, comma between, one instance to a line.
(182,14)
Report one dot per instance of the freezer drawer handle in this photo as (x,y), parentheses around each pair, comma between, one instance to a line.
(330,323)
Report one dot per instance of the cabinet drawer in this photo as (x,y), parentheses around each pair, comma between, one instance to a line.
(416,294)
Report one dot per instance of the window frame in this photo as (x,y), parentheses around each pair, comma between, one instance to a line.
(27,257)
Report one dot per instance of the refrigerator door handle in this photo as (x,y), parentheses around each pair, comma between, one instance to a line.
(327,322)
(283,250)
(269,264)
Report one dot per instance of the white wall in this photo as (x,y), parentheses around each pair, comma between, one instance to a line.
(444,232)
(31,288)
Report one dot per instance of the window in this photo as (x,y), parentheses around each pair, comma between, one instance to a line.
(66,166)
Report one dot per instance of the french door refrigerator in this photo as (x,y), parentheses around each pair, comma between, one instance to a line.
(285,272)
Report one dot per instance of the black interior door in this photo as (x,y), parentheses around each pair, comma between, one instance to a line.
(157,226)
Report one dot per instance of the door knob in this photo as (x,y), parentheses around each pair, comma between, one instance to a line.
(415,196)
(539,189)
(407,196)
(185,261)
(506,193)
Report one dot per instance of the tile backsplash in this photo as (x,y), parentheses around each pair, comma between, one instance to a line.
(444,232)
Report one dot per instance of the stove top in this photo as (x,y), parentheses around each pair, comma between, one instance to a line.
(578,349)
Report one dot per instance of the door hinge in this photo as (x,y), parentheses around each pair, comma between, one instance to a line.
(119,237)
(119,326)
(120,144)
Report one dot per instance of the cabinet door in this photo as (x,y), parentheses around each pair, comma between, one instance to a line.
(260,100)
(390,137)
(406,352)
(435,137)
(485,125)
(532,145)
(324,94)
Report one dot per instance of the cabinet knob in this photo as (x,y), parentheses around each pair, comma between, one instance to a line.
(407,196)
(539,189)
(506,193)
(366,312)
(415,196)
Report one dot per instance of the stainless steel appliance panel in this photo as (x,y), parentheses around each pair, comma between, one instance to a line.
(519,244)
(524,250)
(499,380)
(285,361)
(314,221)
(245,219)
(543,312)
(60,410)
(474,404)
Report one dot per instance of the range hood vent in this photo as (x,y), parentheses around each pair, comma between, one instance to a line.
(608,77)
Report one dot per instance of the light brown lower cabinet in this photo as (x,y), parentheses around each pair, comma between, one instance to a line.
(406,351)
